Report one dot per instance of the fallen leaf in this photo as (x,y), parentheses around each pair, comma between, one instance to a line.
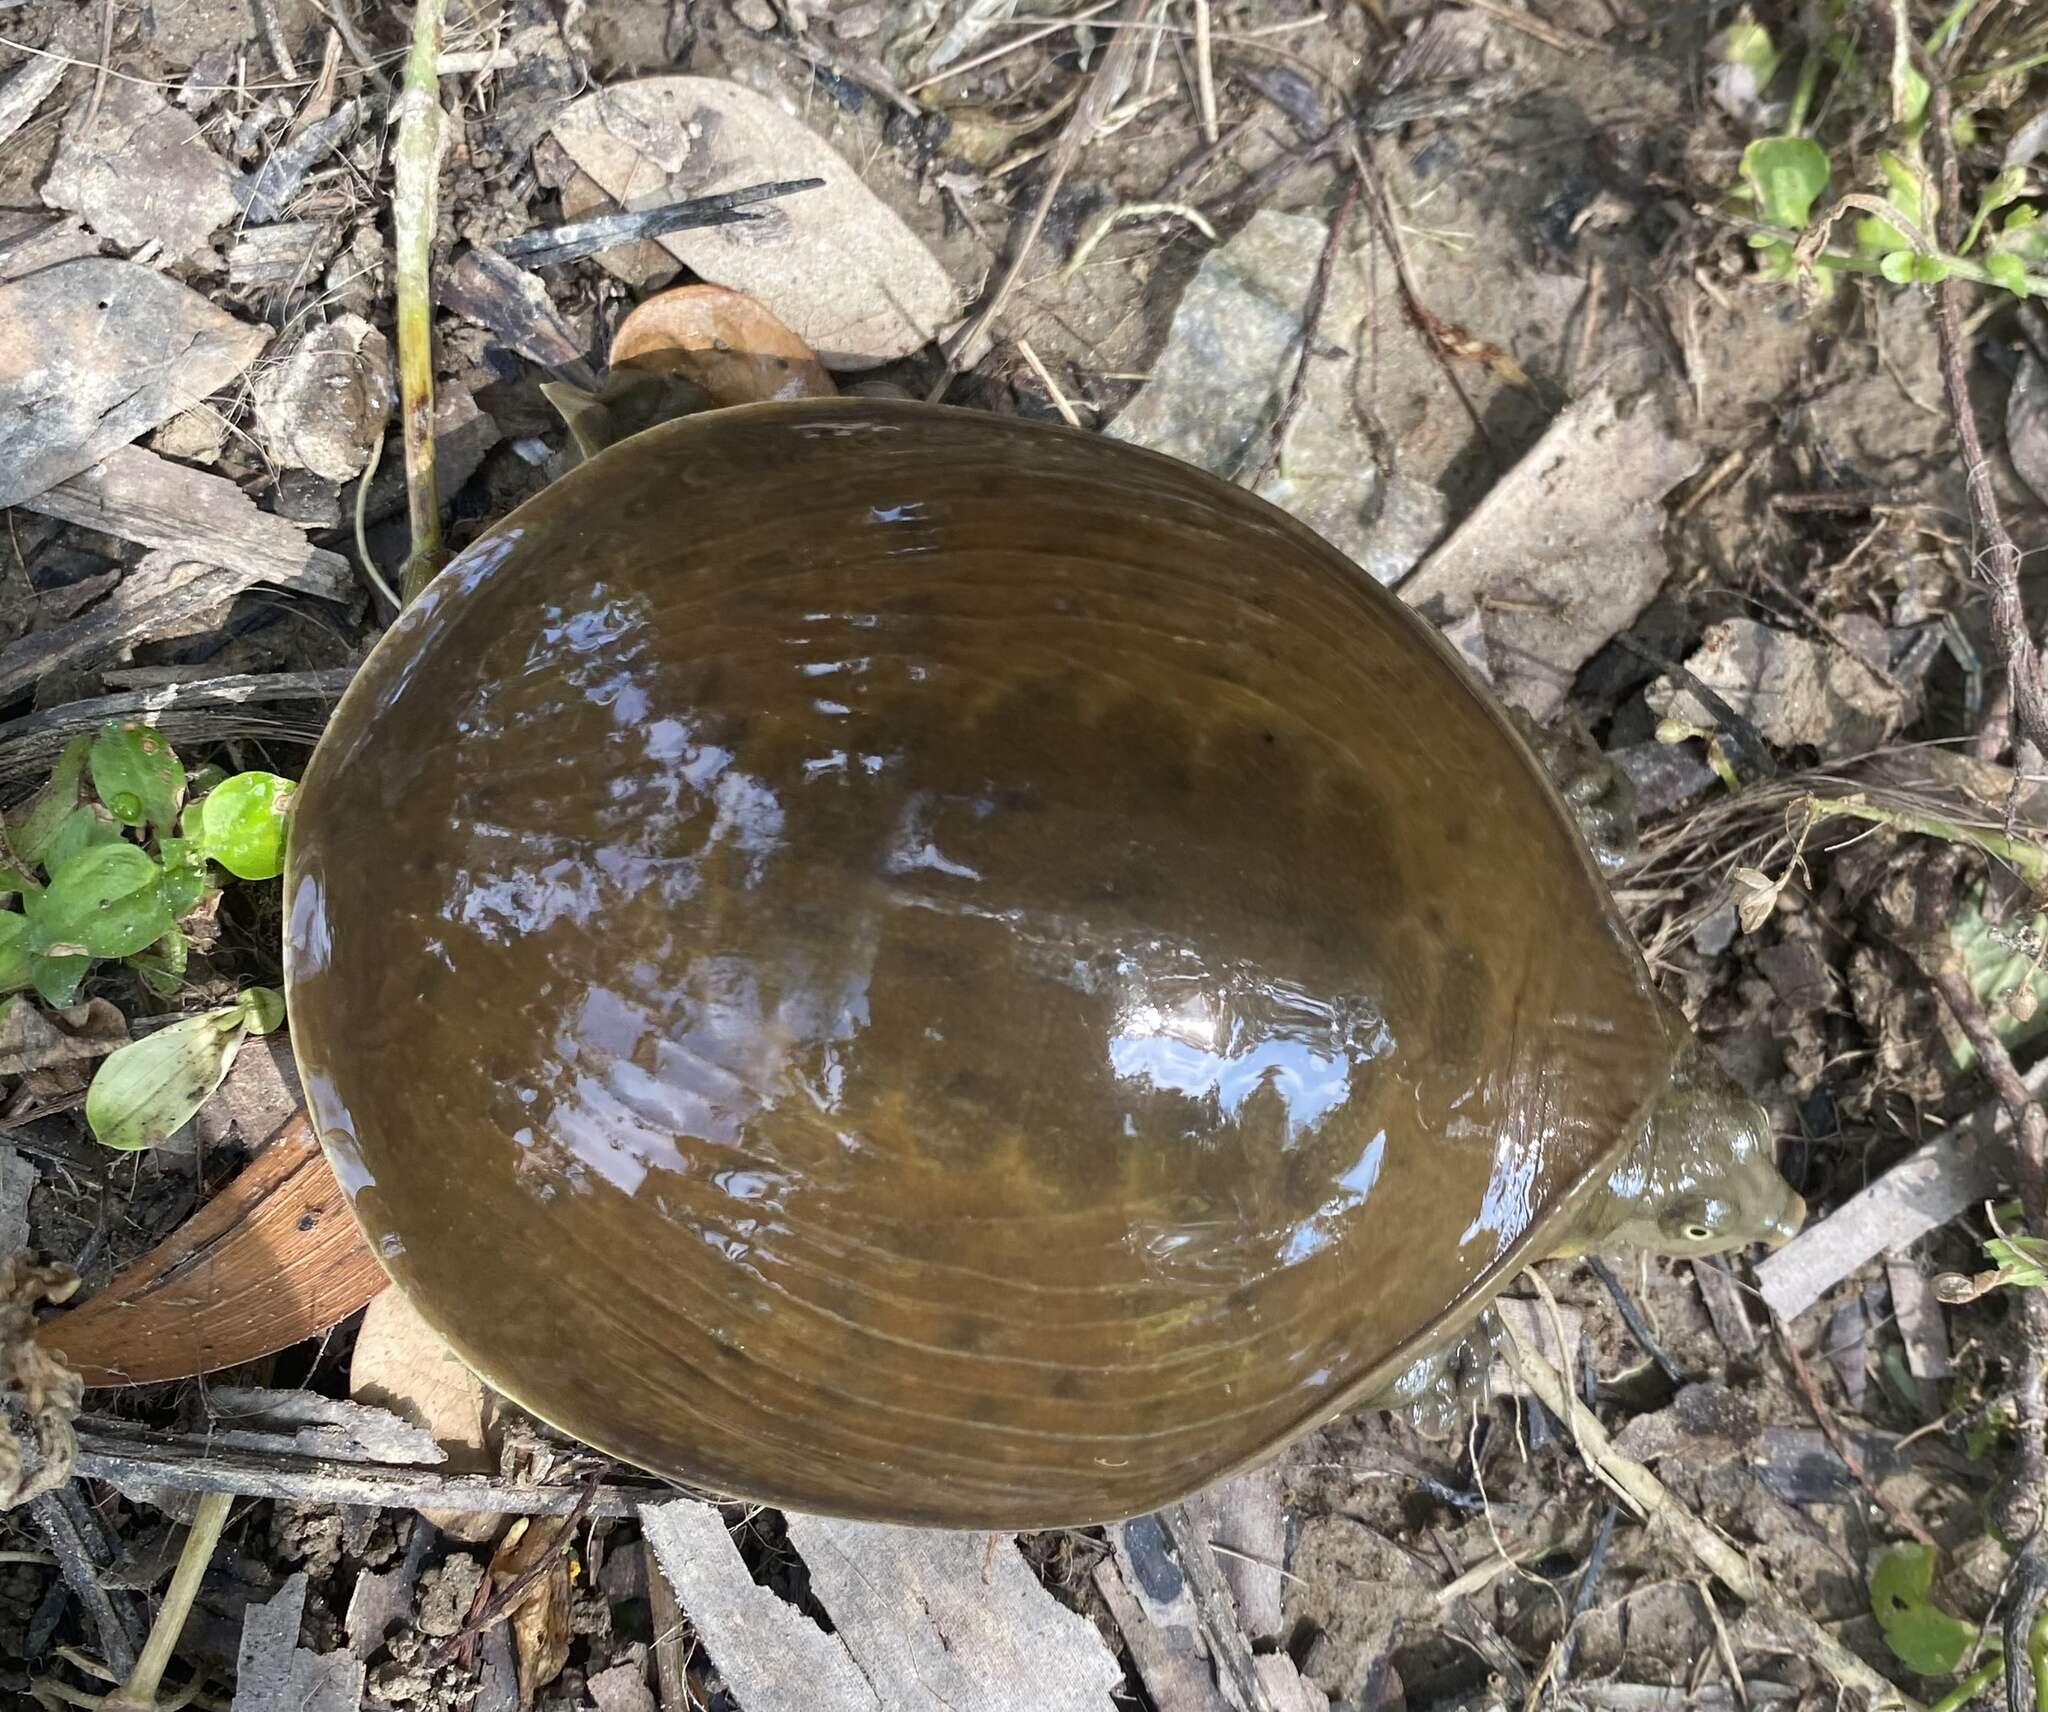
(274,1258)
(139,171)
(836,265)
(725,342)
(402,1364)
(149,1089)
(95,353)
(540,1621)
(32,1039)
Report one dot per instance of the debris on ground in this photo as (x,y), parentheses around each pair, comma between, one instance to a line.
(1624,341)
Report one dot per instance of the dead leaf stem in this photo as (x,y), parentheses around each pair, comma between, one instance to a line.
(416,162)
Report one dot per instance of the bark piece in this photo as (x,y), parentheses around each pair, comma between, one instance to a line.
(96,352)
(139,171)
(207,519)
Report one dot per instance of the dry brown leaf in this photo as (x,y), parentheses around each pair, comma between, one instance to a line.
(540,1620)
(274,1258)
(33,1039)
(47,1391)
(725,342)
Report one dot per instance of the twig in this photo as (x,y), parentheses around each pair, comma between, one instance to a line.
(1632,1317)
(1217,1610)
(273,37)
(1998,560)
(99,78)
(551,246)
(1060,401)
(1311,319)
(858,70)
(81,1575)
(1074,136)
(1205,73)
(1010,47)
(416,162)
(1831,1429)
(1550,35)
(501,1604)
(1111,218)
(1717,1554)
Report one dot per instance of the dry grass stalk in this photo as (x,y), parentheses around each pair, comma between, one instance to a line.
(415,165)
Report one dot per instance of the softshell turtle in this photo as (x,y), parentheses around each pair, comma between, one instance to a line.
(912,965)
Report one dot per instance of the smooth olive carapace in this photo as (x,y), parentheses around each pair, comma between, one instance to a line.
(913,965)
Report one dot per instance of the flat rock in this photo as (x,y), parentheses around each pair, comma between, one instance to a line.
(323,407)
(141,172)
(1565,550)
(1794,691)
(95,353)
(273,1673)
(1219,385)
(836,265)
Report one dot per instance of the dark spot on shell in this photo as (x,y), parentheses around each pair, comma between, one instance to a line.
(1457,1021)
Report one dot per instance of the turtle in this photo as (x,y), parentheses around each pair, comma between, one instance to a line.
(915,965)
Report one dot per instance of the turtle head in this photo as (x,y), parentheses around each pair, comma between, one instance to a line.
(1700,1178)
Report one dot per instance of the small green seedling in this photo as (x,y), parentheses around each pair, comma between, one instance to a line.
(1922,1636)
(114,861)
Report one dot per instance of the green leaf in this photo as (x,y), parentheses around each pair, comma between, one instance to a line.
(147,1090)
(263,1007)
(13,880)
(184,875)
(137,775)
(1926,1639)
(2021,1260)
(56,979)
(1787,174)
(242,824)
(84,827)
(104,902)
(2007,188)
(1875,237)
(1930,270)
(13,951)
(50,806)
(2008,271)
(163,964)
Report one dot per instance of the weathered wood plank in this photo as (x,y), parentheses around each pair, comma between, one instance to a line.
(939,1620)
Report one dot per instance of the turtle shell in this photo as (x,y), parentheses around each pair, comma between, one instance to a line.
(906,964)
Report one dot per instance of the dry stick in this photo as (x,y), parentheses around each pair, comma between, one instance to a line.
(1074,136)
(502,1603)
(415,166)
(1311,319)
(1228,1647)
(1720,1556)
(1383,216)
(1205,72)
(1832,1429)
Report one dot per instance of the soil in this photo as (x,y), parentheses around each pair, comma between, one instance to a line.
(1557,240)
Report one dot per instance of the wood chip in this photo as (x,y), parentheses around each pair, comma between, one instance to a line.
(139,171)
(1171,1664)
(514,305)
(254,1417)
(96,352)
(273,1673)
(774,1658)
(940,1620)
(1923,1326)
(1921,1192)
(28,85)
(141,497)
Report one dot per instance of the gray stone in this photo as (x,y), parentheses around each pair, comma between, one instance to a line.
(141,172)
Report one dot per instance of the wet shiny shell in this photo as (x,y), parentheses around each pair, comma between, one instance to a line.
(908,964)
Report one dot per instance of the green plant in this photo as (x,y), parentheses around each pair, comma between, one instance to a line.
(1785,179)
(1932,1642)
(113,861)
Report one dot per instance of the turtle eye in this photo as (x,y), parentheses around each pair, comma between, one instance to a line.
(1695,1219)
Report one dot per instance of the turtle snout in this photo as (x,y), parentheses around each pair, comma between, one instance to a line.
(1786,1225)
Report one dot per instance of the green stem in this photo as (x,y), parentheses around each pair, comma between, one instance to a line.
(1802,94)
(1945,31)
(2030,859)
(415,167)
(1972,1685)
(138,1693)
(1842,261)
(1977,79)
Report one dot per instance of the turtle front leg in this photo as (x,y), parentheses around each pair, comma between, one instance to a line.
(1437,1392)
(1601,797)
